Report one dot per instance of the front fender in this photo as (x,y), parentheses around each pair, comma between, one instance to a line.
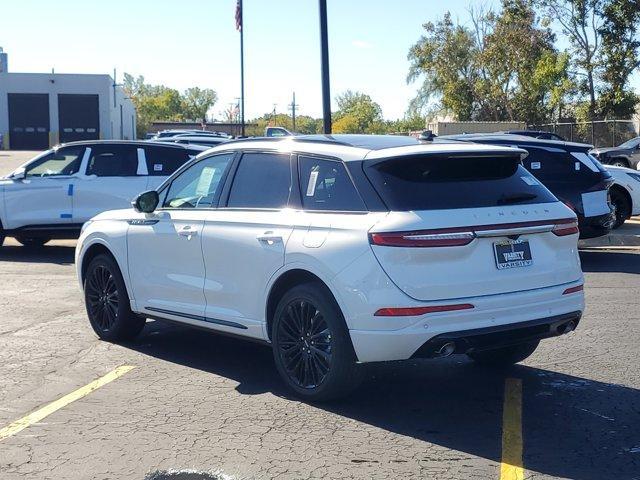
(112,235)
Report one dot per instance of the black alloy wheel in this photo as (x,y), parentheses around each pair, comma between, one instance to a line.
(621,205)
(107,302)
(312,346)
(103,298)
(304,344)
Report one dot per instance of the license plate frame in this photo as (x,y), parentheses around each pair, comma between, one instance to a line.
(512,254)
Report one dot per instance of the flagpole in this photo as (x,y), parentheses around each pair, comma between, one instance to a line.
(242,68)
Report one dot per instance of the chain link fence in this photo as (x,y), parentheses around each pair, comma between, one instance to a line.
(599,133)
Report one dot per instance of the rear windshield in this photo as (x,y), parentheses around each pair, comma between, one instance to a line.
(444,182)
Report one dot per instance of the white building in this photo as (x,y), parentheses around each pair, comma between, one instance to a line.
(39,110)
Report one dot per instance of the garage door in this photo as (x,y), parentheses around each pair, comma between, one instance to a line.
(79,117)
(28,121)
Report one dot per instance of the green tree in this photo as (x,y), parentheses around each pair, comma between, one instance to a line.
(522,72)
(620,56)
(506,68)
(160,103)
(444,59)
(581,23)
(198,101)
(357,113)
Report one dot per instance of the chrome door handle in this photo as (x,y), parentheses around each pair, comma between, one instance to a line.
(187,232)
(269,238)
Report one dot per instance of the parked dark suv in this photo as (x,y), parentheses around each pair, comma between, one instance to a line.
(625,155)
(569,171)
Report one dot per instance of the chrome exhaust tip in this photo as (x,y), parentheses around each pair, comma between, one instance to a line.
(446,349)
(567,328)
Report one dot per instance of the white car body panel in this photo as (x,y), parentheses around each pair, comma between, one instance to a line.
(38,201)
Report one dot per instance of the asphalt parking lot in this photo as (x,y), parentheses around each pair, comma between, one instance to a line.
(195,400)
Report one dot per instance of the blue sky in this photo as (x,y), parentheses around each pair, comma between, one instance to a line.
(194,43)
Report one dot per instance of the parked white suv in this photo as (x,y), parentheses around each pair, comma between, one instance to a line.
(52,195)
(342,250)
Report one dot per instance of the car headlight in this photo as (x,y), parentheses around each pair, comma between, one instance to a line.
(635,176)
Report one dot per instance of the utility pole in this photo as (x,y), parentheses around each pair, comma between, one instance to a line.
(293,107)
(114,88)
(324,56)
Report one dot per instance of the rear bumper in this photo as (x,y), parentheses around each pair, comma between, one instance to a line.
(592,227)
(544,309)
(478,339)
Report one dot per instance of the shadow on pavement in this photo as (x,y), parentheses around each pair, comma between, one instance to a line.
(57,254)
(609,261)
(573,427)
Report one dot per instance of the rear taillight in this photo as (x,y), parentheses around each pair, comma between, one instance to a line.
(459,236)
(575,289)
(417,239)
(416,311)
(566,227)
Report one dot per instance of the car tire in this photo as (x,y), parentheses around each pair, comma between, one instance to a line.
(622,206)
(311,344)
(107,302)
(32,242)
(505,356)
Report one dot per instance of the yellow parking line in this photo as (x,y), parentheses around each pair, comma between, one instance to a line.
(47,410)
(511,466)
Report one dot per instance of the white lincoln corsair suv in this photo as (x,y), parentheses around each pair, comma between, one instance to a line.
(340,250)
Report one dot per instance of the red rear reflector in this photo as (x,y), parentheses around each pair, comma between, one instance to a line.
(578,288)
(415,311)
(566,228)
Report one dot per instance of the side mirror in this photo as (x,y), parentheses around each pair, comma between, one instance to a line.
(146,202)
(19,174)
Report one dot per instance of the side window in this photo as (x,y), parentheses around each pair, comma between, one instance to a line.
(549,166)
(113,161)
(263,180)
(325,185)
(163,161)
(199,185)
(64,161)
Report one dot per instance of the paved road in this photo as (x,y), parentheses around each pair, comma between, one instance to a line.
(197,400)
(201,401)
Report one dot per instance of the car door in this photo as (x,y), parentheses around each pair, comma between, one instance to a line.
(165,260)
(115,173)
(44,196)
(244,241)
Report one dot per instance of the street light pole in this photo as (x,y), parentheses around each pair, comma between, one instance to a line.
(324,55)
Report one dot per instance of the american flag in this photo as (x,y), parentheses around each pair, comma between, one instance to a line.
(239,15)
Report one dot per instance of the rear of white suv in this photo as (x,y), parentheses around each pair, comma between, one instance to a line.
(485,257)
(343,250)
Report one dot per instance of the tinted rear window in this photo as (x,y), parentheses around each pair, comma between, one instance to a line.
(442,182)
(163,161)
(263,180)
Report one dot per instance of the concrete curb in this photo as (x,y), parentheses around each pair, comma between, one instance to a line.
(628,235)
(611,240)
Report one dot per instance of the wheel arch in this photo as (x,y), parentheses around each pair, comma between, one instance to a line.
(624,158)
(287,280)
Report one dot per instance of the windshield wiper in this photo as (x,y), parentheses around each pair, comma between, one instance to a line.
(516,198)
